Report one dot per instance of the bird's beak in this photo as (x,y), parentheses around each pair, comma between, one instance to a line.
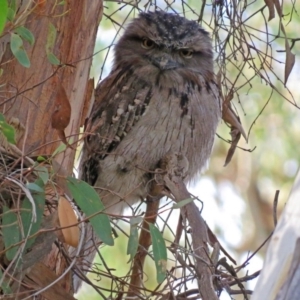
(164,63)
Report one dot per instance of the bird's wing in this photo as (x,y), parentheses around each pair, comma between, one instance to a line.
(120,101)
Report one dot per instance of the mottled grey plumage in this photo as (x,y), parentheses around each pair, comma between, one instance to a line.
(159,98)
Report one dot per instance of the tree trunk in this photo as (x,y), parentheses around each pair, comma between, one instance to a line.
(279,278)
(43,98)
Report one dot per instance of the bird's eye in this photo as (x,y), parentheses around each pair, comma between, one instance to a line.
(186,53)
(147,43)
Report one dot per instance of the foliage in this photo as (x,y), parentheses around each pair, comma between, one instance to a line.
(255,45)
(13,21)
(88,200)
(7,130)
(20,224)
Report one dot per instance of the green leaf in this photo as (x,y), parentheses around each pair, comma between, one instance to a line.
(34,187)
(4,286)
(42,172)
(13,5)
(41,158)
(29,226)
(11,232)
(89,202)
(133,241)
(62,147)
(3,14)
(159,253)
(183,203)
(136,220)
(26,34)
(16,43)
(10,14)
(7,130)
(16,46)
(51,37)
(53,59)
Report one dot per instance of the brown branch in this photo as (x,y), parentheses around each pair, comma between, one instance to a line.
(174,182)
(144,244)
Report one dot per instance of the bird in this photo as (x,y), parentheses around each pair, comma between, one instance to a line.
(160,97)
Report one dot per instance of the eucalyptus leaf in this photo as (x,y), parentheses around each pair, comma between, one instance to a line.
(133,241)
(41,158)
(10,14)
(51,37)
(10,231)
(42,172)
(26,34)
(182,203)
(89,201)
(5,285)
(17,48)
(62,147)
(53,59)
(34,187)
(12,9)
(159,253)
(7,130)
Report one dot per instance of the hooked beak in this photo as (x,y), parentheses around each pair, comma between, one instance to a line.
(164,63)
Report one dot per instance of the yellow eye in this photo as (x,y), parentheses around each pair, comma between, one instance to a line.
(186,53)
(147,43)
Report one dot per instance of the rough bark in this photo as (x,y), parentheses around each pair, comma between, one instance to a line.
(30,95)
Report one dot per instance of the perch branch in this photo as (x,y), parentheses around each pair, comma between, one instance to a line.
(173,180)
(144,244)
